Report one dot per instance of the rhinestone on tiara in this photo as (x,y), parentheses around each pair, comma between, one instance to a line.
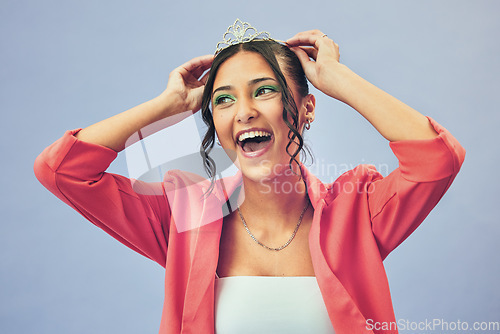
(240,32)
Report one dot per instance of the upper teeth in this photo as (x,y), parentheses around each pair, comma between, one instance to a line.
(253,134)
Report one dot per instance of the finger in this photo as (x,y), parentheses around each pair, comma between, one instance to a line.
(322,46)
(201,61)
(311,52)
(306,38)
(204,78)
(308,32)
(198,64)
(307,64)
(198,72)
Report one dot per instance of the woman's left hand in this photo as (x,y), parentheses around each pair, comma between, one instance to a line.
(319,56)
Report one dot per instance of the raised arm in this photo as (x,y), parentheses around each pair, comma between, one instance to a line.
(392,118)
(135,213)
(429,156)
(181,98)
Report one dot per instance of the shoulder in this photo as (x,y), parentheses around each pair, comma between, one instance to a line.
(178,181)
(353,181)
(179,177)
(361,174)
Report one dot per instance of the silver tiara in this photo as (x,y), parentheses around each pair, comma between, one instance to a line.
(241,32)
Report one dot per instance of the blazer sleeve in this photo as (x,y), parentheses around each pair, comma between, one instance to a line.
(135,213)
(399,202)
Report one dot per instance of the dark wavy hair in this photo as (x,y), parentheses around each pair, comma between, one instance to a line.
(271,51)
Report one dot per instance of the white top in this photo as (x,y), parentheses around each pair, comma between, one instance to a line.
(268,304)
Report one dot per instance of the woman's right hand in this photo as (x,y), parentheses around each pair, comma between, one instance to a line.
(183,93)
(185,85)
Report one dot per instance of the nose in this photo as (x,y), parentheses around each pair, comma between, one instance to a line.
(246,111)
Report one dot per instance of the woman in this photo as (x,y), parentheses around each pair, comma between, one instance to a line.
(272,249)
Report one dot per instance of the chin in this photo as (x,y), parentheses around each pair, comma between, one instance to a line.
(266,171)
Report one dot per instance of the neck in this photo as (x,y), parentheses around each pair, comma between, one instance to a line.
(279,200)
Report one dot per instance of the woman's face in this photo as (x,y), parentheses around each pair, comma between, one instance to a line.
(247,113)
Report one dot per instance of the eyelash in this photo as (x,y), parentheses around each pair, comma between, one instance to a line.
(219,99)
(271,88)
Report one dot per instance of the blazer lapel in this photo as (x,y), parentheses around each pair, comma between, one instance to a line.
(344,313)
(199,300)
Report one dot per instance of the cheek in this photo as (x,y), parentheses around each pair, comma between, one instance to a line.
(224,130)
(272,111)
(223,127)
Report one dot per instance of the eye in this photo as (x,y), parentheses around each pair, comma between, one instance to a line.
(223,99)
(266,90)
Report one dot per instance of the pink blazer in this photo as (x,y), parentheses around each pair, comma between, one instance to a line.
(358,220)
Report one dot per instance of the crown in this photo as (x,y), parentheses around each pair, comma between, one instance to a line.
(241,32)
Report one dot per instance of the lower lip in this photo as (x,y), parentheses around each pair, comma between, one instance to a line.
(256,154)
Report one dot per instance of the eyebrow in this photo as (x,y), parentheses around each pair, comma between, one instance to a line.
(250,83)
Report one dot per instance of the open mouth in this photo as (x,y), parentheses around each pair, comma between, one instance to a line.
(253,141)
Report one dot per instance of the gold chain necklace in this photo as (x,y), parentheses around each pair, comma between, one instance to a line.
(289,240)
